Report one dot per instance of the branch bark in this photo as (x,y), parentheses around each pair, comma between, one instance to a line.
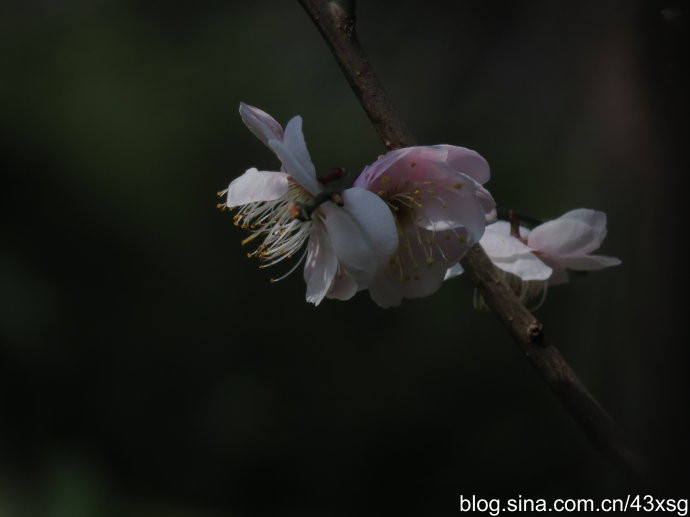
(335,19)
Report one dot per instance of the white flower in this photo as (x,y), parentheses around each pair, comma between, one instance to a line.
(538,258)
(566,243)
(345,245)
(440,210)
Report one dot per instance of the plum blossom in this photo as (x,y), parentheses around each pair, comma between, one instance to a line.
(566,243)
(440,209)
(345,245)
(537,258)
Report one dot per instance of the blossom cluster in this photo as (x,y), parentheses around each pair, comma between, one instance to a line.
(403,225)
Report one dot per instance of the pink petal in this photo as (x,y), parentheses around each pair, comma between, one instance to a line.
(564,237)
(448,208)
(488,204)
(468,162)
(254,186)
(385,292)
(426,280)
(263,125)
(418,268)
(592,218)
(407,165)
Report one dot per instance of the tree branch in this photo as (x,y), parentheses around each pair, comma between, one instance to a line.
(335,19)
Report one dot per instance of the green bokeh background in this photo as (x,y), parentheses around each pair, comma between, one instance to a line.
(148,368)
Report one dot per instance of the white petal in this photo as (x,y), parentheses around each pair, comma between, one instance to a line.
(559,275)
(344,286)
(500,227)
(527,267)
(263,125)
(320,266)
(375,219)
(588,262)
(454,271)
(592,218)
(254,186)
(500,246)
(294,140)
(564,237)
(350,244)
(305,176)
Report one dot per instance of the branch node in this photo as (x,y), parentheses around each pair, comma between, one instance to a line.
(534,330)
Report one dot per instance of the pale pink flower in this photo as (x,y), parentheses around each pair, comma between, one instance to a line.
(537,258)
(440,209)
(566,243)
(345,245)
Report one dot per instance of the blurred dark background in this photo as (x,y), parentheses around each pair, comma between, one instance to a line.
(148,368)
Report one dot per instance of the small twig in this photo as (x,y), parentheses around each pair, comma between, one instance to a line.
(508,214)
(335,20)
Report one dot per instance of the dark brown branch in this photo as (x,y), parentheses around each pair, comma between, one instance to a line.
(335,20)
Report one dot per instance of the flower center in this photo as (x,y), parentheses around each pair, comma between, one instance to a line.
(418,245)
(284,235)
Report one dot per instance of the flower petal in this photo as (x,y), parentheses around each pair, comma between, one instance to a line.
(588,262)
(344,286)
(294,140)
(375,219)
(385,292)
(448,209)
(592,218)
(263,125)
(254,186)
(559,275)
(320,266)
(499,244)
(419,267)
(305,176)
(350,243)
(564,237)
(422,164)
(468,162)
(526,267)
(488,204)
(454,271)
